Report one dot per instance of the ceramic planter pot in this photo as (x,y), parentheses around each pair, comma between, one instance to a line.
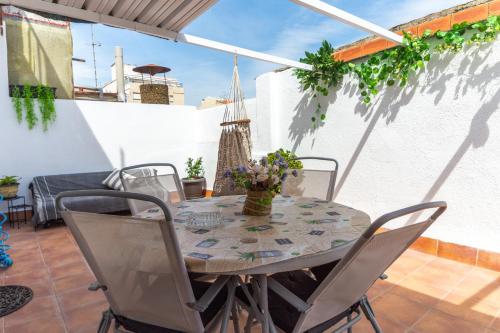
(194,187)
(258,203)
(9,191)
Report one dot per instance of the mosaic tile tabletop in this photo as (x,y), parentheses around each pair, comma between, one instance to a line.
(297,227)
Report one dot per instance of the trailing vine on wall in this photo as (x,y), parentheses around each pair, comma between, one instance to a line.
(46,105)
(29,103)
(391,66)
(25,101)
(18,103)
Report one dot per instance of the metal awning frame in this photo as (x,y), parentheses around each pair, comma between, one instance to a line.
(94,17)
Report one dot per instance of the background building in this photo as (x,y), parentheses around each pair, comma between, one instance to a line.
(209,102)
(133,80)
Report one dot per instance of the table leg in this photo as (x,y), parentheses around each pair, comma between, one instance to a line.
(263,301)
(231,286)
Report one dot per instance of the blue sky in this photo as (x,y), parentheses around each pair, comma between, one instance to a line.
(277,27)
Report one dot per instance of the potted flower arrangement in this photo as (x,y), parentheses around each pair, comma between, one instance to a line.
(9,186)
(290,158)
(194,183)
(262,180)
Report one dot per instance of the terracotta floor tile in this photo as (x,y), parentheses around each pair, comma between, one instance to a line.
(79,297)
(49,261)
(33,276)
(61,259)
(409,262)
(440,322)
(71,282)
(52,324)
(425,287)
(38,308)
(379,288)
(425,296)
(68,269)
(387,325)
(449,266)
(470,309)
(399,309)
(85,317)
(28,265)
(495,325)
(481,284)
(436,277)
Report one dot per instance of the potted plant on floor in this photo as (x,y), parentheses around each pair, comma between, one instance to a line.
(263,181)
(9,186)
(194,183)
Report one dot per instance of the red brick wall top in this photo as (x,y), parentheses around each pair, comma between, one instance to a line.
(436,22)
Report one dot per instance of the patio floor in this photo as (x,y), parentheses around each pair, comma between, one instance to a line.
(423,293)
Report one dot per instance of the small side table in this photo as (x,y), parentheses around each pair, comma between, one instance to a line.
(15,206)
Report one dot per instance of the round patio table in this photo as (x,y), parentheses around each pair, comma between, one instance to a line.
(300,233)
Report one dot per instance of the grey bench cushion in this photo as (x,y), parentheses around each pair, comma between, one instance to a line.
(46,188)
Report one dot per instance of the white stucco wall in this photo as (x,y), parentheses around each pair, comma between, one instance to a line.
(92,136)
(438,139)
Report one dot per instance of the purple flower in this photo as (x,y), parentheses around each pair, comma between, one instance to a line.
(264,161)
(277,155)
(228,174)
(283,177)
(242,169)
(295,173)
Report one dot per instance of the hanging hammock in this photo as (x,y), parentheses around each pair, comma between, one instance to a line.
(235,144)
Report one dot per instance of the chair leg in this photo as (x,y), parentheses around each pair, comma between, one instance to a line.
(349,318)
(236,318)
(370,315)
(105,324)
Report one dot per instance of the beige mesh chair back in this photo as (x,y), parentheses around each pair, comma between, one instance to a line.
(365,262)
(317,183)
(137,261)
(160,180)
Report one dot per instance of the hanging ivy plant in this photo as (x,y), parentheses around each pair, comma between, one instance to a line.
(31,117)
(25,99)
(46,105)
(18,103)
(327,73)
(393,65)
(390,66)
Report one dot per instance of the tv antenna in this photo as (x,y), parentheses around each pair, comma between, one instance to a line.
(94,44)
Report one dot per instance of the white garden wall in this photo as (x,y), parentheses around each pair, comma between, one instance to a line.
(438,139)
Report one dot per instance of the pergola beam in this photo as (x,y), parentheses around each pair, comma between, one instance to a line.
(86,15)
(347,18)
(189,39)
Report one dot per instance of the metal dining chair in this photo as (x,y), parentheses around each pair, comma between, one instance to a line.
(300,303)
(317,183)
(160,180)
(140,269)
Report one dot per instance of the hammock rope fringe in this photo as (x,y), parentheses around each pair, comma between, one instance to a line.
(235,144)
